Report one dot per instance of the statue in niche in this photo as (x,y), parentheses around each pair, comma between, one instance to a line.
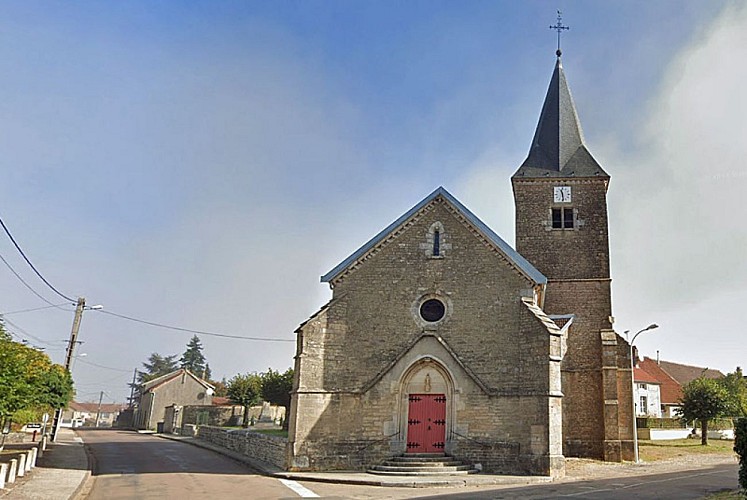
(427,384)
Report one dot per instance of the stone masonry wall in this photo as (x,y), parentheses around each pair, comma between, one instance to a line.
(376,313)
(580,253)
(595,375)
(269,449)
(349,408)
(212,415)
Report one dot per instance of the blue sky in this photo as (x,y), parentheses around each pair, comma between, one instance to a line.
(203,163)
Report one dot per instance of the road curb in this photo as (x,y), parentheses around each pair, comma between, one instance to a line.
(87,482)
(259,466)
(340,478)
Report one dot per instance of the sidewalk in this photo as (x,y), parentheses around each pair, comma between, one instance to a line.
(363,478)
(59,473)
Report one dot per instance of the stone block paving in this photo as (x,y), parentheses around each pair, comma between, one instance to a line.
(59,473)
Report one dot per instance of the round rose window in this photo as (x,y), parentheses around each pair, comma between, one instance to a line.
(432,310)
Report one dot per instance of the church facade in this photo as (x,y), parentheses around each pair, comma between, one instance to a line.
(442,338)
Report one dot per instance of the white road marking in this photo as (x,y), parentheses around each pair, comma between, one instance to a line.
(298,489)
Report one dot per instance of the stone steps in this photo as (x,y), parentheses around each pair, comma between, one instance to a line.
(441,464)
(423,464)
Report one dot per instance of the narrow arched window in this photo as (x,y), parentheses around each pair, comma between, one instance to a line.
(436,243)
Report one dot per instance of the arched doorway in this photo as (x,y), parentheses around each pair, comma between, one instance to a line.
(427,396)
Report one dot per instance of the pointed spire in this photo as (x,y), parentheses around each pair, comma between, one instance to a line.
(558,148)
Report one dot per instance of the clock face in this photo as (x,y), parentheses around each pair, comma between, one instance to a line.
(562,194)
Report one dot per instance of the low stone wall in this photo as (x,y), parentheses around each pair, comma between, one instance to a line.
(269,449)
(230,415)
(17,437)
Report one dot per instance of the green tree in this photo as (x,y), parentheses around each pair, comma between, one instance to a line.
(703,399)
(29,379)
(156,366)
(221,387)
(736,387)
(245,390)
(193,359)
(276,388)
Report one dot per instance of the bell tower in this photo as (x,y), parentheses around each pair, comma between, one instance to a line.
(560,194)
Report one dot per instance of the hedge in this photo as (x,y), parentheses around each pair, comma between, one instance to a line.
(740,446)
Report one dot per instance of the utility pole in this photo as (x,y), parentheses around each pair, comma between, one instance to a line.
(98,412)
(69,358)
(132,388)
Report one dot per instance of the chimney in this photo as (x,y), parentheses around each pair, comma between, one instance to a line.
(657,357)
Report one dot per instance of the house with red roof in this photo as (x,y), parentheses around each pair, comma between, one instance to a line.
(671,377)
(91,414)
(647,396)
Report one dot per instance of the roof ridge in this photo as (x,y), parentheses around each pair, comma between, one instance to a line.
(513,257)
(686,365)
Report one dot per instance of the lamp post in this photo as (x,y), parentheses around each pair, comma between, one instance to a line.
(632,387)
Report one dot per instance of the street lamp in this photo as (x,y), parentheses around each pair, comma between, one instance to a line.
(632,386)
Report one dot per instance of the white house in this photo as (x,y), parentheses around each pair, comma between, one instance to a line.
(647,394)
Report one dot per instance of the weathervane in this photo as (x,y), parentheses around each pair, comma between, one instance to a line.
(559,28)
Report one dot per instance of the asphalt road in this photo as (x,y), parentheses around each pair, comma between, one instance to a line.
(672,486)
(128,465)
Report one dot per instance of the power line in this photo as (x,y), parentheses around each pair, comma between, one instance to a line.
(7,231)
(58,306)
(100,383)
(23,340)
(79,360)
(188,330)
(7,264)
(34,337)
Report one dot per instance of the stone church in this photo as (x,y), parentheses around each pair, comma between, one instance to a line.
(442,338)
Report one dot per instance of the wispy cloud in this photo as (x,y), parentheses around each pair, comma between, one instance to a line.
(678,201)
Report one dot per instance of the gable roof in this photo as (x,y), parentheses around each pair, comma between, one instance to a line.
(558,148)
(671,390)
(642,375)
(512,255)
(684,374)
(94,407)
(163,379)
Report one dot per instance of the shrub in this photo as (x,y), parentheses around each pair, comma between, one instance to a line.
(660,423)
(740,446)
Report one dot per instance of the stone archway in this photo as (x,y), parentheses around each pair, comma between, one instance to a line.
(426,406)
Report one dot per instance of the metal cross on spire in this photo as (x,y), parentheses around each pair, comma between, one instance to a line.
(559,28)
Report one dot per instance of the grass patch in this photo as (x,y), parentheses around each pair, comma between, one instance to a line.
(651,451)
(725,495)
(274,432)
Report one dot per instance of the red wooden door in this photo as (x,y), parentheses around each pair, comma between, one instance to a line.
(426,423)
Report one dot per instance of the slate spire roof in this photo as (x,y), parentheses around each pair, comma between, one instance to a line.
(558,148)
